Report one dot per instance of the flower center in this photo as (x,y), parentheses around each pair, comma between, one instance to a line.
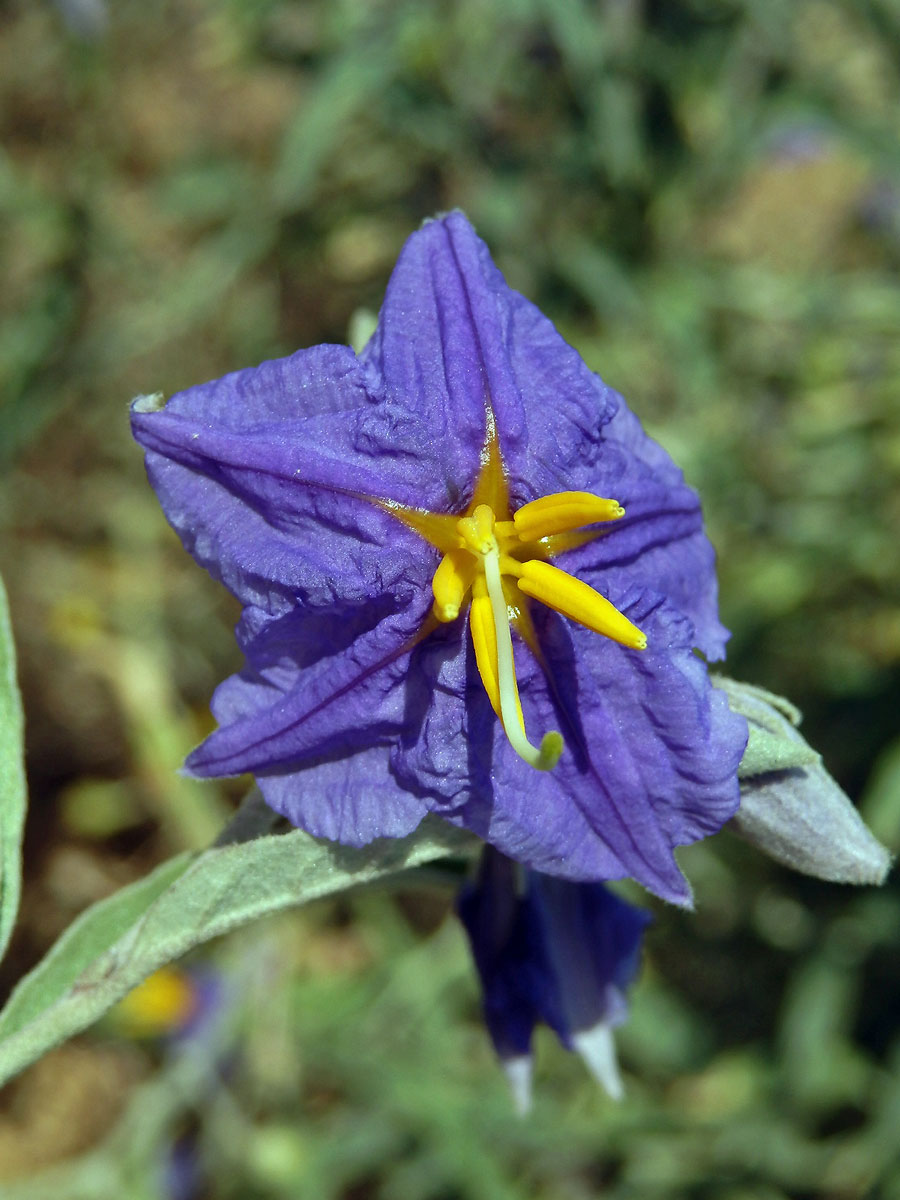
(496,561)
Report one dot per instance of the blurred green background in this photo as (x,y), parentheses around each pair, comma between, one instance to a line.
(705,196)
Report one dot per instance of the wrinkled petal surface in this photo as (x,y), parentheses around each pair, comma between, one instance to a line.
(265,475)
(351,698)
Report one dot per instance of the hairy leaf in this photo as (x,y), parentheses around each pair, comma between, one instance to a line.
(13,795)
(188,900)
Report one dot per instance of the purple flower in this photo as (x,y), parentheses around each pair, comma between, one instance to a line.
(385,519)
(554,951)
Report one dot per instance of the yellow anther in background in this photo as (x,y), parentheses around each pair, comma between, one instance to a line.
(161,1004)
(561,512)
(451,581)
(574,599)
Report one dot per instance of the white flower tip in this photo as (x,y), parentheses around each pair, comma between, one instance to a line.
(151,403)
(598,1049)
(518,1075)
(871,869)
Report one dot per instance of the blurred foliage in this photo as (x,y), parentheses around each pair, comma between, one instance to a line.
(706,197)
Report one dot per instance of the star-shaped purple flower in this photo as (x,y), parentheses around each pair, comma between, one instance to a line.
(386,519)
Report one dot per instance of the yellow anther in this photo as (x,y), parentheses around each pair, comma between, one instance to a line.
(574,599)
(504,530)
(477,531)
(484,639)
(561,512)
(451,581)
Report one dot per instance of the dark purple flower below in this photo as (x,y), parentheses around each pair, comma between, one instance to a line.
(550,950)
(387,519)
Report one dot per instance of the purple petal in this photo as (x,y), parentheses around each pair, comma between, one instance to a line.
(567,406)
(350,795)
(475,343)
(660,542)
(500,938)
(352,799)
(439,350)
(352,698)
(593,942)
(263,475)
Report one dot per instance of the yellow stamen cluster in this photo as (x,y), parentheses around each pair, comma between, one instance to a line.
(497,560)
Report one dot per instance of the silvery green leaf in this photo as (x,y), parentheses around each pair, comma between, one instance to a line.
(118,942)
(790,806)
(774,743)
(363,323)
(12,779)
